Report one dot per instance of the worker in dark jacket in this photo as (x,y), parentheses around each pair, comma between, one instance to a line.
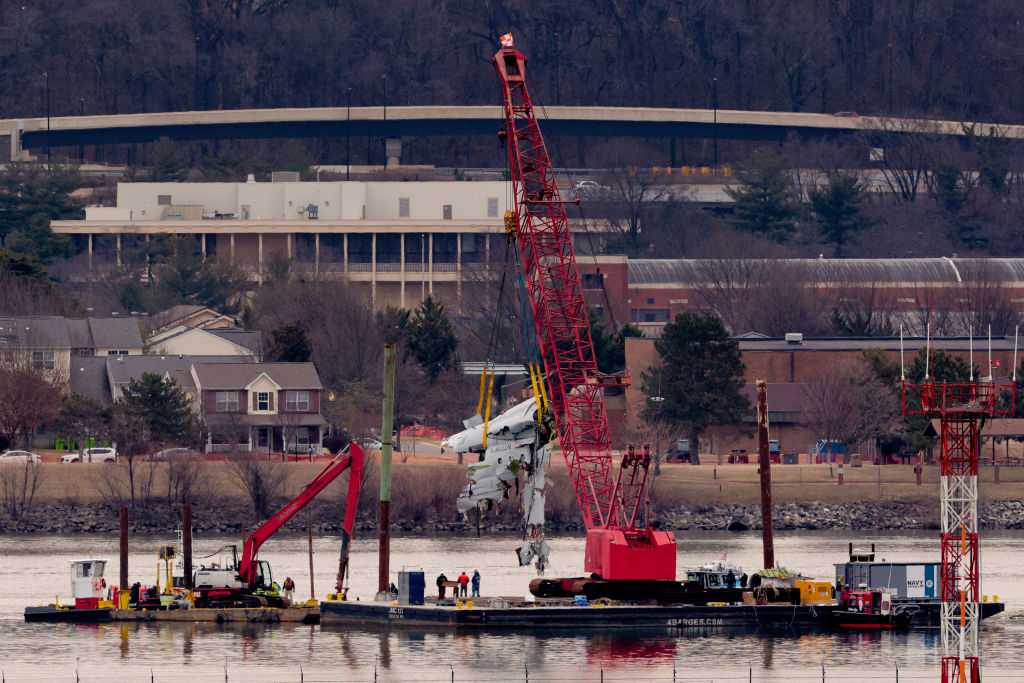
(476,583)
(441,580)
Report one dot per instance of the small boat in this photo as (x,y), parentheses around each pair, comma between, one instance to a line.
(870,610)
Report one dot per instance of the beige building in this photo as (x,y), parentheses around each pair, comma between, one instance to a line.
(397,241)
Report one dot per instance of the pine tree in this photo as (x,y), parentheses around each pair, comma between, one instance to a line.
(430,338)
(164,407)
(763,201)
(837,210)
(699,379)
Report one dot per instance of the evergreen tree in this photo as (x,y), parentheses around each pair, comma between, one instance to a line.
(699,379)
(163,406)
(763,201)
(186,277)
(30,197)
(610,349)
(430,338)
(837,210)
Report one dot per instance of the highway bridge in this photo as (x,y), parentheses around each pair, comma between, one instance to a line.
(393,123)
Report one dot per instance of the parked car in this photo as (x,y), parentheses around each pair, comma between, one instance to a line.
(176,454)
(97,454)
(589,188)
(8,457)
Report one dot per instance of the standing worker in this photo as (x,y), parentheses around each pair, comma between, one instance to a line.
(463,584)
(441,581)
(476,583)
(289,589)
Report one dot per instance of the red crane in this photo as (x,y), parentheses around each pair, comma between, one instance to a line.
(251,583)
(619,547)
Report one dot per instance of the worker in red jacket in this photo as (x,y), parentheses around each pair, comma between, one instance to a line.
(463,584)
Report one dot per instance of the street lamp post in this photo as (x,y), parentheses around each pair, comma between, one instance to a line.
(348,137)
(714,99)
(657,435)
(46,81)
(384,78)
(81,146)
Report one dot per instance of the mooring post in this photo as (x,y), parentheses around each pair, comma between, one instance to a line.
(123,523)
(186,543)
(764,460)
(384,513)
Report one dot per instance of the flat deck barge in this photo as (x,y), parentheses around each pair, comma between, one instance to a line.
(749,617)
(264,615)
(572,617)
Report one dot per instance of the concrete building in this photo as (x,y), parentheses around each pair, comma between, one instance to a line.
(396,240)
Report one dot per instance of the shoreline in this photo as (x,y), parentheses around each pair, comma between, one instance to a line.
(101,518)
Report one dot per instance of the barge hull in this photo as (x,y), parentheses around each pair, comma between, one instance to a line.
(613,617)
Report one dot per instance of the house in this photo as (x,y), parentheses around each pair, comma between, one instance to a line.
(185,341)
(119,372)
(186,315)
(269,407)
(49,343)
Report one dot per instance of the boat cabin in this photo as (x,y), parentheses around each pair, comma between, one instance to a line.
(864,601)
(715,576)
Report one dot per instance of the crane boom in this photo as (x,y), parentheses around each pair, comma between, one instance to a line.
(352,460)
(616,546)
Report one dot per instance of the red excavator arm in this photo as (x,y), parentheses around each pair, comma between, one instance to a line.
(352,461)
(619,544)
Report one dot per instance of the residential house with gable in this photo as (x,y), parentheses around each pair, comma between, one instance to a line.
(260,407)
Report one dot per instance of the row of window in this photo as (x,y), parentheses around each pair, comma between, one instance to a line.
(405,204)
(295,401)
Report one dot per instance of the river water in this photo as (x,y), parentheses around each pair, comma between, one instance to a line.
(35,569)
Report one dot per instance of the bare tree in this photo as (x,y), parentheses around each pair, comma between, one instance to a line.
(908,148)
(131,434)
(28,399)
(261,480)
(849,404)
(18,486)
(633,195)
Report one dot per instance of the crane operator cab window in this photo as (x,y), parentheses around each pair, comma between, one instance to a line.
(264,577)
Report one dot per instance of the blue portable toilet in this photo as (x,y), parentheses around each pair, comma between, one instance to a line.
(411,587)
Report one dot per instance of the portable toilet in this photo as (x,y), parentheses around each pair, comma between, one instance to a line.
(88,586)
(411,587)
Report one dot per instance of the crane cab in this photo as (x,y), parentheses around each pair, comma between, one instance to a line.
(88,586)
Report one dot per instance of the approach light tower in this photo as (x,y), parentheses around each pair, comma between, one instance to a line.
(961,409)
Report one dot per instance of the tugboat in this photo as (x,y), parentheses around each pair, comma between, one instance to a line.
(869,609)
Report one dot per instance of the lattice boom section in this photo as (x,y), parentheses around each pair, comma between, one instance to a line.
(935,399)
(559,309)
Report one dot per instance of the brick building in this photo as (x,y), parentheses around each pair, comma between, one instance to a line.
(788,366)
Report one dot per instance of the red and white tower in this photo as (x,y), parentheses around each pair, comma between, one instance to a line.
(961,410)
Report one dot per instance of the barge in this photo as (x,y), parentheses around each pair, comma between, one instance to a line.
(227,615)
(594,616)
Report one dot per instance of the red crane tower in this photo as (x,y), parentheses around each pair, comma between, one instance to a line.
(961,409)
(619,546)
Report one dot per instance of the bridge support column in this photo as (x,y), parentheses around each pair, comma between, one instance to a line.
(89,248)
(393,152)
(401,248)
(373,270)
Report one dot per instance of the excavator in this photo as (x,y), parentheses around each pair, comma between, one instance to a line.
(249,581)
(626,557)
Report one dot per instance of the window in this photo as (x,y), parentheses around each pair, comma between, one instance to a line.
(403,207)
(263,400)
(592,280)
(297,401)
(446,212)
(227,401)
(117,352)
(650,301)
(650,315)
(492,207)
(43,360)
(163,200)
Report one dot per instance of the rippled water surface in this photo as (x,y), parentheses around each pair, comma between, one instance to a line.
(35,569)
